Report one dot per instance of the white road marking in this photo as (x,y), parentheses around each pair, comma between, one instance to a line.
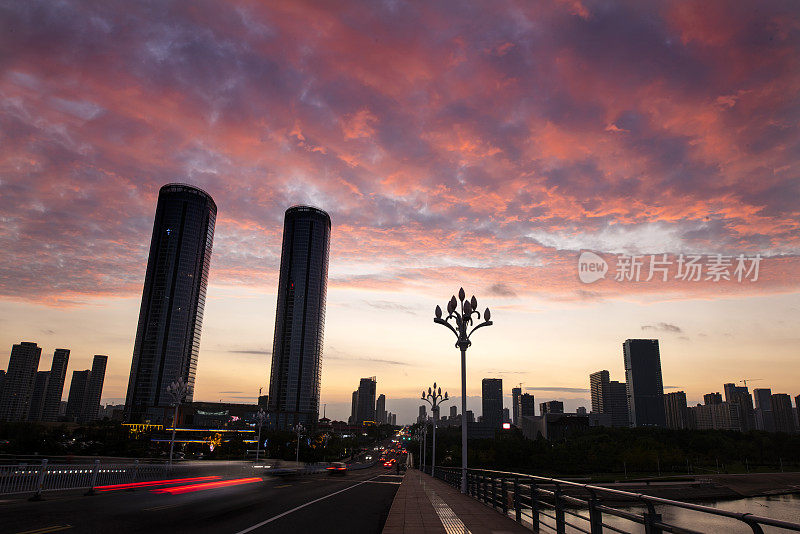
(271,519)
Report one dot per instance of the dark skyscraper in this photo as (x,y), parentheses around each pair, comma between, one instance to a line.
(294,385)
(365,409)
(173,299)
(609,397)
(783,414)
(552,406)
(492,402)
(740,396)
(55,385)
(94,389)
(78,391)
(643,379)
(353,408)
(20,380)
(37,398)
(712,398)
(527,406)
(516,393)
(676,411)
(380,409)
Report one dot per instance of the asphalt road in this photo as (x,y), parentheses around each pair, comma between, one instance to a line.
(355,503)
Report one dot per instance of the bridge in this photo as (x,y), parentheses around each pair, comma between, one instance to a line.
(243,497)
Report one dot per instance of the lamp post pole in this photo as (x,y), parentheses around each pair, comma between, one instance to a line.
(424,441)
(462,321)
(434,398)
(260,418)
(176,390)
(298,429)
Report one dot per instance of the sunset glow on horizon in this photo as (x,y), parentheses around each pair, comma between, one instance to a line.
(454,144)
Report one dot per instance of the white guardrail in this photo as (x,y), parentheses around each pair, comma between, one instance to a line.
(49,477)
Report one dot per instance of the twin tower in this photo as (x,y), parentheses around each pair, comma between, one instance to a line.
(173,299)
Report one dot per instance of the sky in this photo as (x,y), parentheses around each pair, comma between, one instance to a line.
(483,145)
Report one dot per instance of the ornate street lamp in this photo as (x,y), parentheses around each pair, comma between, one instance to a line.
(434,398)
(260,418)
(462,321)
(176,390)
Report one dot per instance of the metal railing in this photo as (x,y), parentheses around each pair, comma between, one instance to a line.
(50,477)
(552,504)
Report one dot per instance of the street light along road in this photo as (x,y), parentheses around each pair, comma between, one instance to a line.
(434,398)
(462,321)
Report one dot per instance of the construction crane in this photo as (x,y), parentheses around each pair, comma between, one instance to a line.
(750,379)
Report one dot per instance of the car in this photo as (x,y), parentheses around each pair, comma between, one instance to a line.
(388,464)
(337,469)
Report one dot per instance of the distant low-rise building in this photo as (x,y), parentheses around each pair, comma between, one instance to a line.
(554,426)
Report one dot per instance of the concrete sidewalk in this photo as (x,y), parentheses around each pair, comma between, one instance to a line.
(425,504)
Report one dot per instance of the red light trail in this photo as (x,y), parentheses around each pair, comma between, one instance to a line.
(211,485)
(133,485)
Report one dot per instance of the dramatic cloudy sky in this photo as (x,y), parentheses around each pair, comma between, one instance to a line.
(475,144)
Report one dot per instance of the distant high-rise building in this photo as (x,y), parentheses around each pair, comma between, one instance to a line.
(598,383)
(20,381)
(527,406)
(783,414)
(353,408)
(470,416)
(722,416)
(506,415)
(365,410)
(37,398)
(516,408)
(581,410)
(741,397)
(380,409)
(94,389)
(796,408)
(423,414)
(78,391)
(764,417)
(676,411)
(492,402)
(762,397)
(609,397)
(552,406)
(712,398)
(394,419)
(617,403)
(173,300)
(55,385)
(453,412)
(294,384)
(645,388)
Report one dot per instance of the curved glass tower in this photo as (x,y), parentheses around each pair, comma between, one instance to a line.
(294,384)
(171,315)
